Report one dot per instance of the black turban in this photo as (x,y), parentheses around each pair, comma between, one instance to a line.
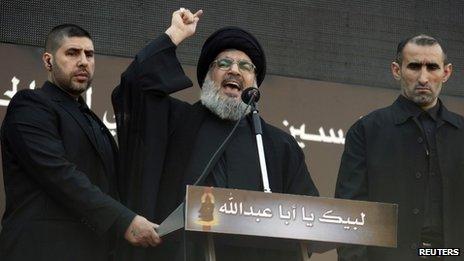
(231,37)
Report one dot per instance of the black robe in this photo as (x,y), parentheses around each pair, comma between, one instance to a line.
(161,149)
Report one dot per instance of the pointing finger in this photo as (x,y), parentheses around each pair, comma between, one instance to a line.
(198,13)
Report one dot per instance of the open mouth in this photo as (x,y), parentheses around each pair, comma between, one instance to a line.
(232,88)
(232,85)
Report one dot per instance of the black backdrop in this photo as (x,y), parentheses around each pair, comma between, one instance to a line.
(330,40)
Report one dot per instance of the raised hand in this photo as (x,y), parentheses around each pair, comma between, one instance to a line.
(183,25)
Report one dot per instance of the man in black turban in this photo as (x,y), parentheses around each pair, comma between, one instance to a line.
(166,143)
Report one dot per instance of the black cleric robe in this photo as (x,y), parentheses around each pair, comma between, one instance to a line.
(164,142)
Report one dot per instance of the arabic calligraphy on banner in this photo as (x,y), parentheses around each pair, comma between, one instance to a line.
(300,135)
(300,217)
(288,214)
(14,89)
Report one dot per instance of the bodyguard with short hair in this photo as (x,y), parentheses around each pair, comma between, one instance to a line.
(59,168)
(410,153)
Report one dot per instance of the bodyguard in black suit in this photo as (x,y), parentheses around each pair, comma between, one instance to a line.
(410,153)
(59,168)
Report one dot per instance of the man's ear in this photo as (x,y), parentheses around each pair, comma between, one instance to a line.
(448,70)
(396,70)
(47,59)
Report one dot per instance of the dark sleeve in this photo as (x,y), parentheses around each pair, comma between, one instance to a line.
(144,115)
(299,180)
(352,182)
(31,130)
(156,68)
(352,175)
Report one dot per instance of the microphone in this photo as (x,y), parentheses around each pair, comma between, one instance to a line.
(249,94)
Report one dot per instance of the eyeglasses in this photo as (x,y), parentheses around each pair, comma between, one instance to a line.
(226,63)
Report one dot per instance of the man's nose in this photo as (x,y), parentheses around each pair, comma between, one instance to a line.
(83,60)
(424,76)
(234,68)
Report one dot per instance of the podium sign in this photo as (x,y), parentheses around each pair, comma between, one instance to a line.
(253,213)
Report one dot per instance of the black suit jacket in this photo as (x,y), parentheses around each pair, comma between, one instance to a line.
(57,182)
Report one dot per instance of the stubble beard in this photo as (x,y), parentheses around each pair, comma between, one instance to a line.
(66,82)
(421,99)
(225,107)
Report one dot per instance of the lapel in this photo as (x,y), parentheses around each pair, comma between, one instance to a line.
(451,118)
(403,110)
(114,147)
(72,107)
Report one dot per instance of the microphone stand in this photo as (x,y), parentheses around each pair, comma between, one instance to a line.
(259,143)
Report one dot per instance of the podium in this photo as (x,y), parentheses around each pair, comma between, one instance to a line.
(279,221)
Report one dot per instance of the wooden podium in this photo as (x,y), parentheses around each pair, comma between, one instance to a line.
(315,224)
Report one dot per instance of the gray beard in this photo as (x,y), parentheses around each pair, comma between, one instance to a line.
(225,107)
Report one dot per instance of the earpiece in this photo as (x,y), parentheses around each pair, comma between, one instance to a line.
(49,64)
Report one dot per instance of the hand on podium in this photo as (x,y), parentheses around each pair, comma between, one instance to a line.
(141,232)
